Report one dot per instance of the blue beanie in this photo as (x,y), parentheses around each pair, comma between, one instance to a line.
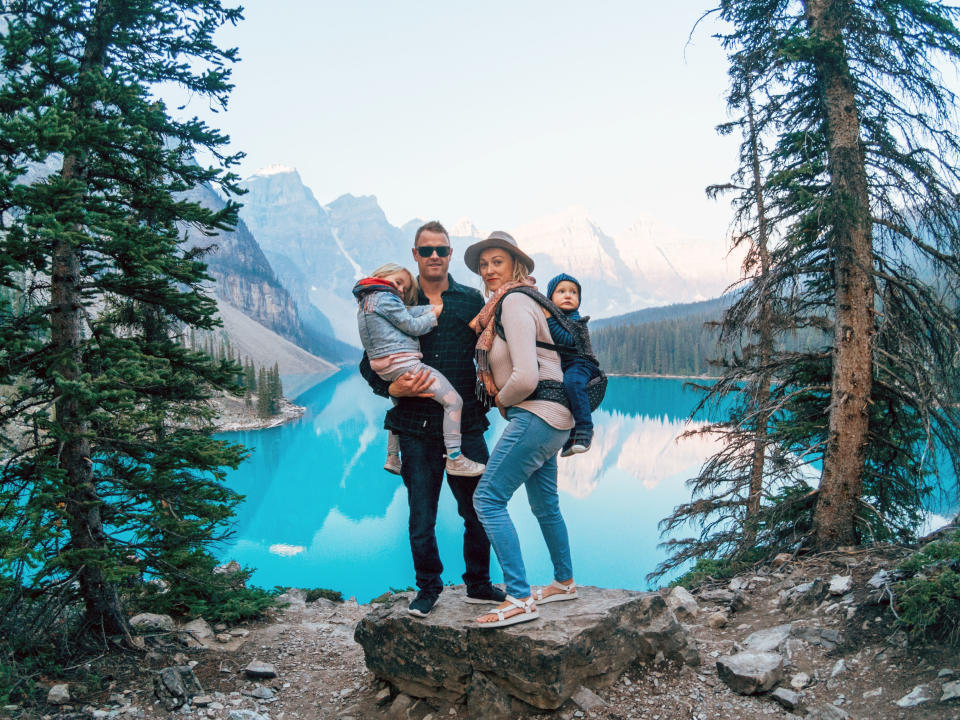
(552,285)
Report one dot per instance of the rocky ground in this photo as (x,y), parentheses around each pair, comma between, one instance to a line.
(812,638)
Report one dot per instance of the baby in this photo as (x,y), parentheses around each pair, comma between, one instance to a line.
(564,291)
(389,330)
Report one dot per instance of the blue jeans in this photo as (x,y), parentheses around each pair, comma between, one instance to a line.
(526,454)
(422,473)
(575,378)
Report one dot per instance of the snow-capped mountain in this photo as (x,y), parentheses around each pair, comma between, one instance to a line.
(319,251)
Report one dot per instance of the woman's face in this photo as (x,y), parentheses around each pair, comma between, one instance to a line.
(496,268)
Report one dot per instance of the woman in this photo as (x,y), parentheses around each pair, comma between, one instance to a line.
(526,453)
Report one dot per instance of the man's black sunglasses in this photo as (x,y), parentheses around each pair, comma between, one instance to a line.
(426,251)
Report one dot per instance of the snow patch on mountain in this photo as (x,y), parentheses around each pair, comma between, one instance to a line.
(274,169)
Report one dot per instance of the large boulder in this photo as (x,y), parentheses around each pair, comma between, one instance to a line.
(749,673)
(584,642)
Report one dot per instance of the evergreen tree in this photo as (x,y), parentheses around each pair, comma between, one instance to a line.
(250,374)
(861,193)
(263,394)
(99,466)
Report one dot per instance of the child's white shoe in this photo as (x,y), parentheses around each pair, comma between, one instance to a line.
(393,464)
(464,466)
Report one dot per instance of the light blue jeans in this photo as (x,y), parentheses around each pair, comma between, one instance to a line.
(526,454)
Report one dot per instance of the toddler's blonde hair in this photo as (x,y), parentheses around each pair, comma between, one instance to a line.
(412,294)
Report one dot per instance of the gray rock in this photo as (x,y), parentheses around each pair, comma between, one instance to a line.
(876,692)
(486,699)
(245,714)
(383,697)
(788,698)
(739,602)
(840,584)
(260,692)
(918,696)
(224,637)
(945,672)
(720,596)
(199,628)
(682,603)
(717,620)
(839,667)
(768,639)
(59,694)
(542,663)
(951,691)
(175,685)
(151,622)
(791,647)
(827,712)
(202,701)
(588,700)
(880,579)
(400,705)
(258,669)
(804,595)
(749,673)
(828,638)
(293,597)
(738,583)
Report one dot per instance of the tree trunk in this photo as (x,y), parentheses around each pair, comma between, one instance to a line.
(104,613)
(834,520)
(762,392)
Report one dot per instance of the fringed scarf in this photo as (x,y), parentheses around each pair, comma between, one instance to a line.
(484,324)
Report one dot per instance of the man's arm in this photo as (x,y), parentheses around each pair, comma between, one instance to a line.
(407,385)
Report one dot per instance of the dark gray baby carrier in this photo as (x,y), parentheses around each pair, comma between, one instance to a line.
(553,389)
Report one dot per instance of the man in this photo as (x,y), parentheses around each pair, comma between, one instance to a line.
(417,421)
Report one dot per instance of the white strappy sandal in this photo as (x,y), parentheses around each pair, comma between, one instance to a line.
(568,592)
(529,612)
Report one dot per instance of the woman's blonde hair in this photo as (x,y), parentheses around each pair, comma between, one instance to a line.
(412,294)
(520,271)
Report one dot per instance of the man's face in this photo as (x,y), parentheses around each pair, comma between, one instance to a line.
(566,296)
(433,267)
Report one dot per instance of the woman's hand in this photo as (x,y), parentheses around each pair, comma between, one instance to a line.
(412,385)
(437,309)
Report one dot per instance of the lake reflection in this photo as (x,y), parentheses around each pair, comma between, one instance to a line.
(321,512)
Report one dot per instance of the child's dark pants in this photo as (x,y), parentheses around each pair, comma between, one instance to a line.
(576,374)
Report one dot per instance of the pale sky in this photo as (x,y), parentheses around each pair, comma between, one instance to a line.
(502,112)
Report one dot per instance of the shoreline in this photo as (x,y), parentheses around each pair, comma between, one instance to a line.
(230,422)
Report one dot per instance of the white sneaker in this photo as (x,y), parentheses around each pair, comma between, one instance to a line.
(462,465)
(393,464)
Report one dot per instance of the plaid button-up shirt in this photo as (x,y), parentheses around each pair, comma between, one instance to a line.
(449,348)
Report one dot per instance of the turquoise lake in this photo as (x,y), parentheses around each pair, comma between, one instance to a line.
(321,512)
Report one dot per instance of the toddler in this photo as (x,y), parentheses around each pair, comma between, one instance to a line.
(389,330)
(578,370)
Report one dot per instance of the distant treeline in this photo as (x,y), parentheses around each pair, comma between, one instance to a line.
(676,346)
(262,385)
(675,340)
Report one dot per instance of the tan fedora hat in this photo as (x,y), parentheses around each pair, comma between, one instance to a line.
(496,239)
